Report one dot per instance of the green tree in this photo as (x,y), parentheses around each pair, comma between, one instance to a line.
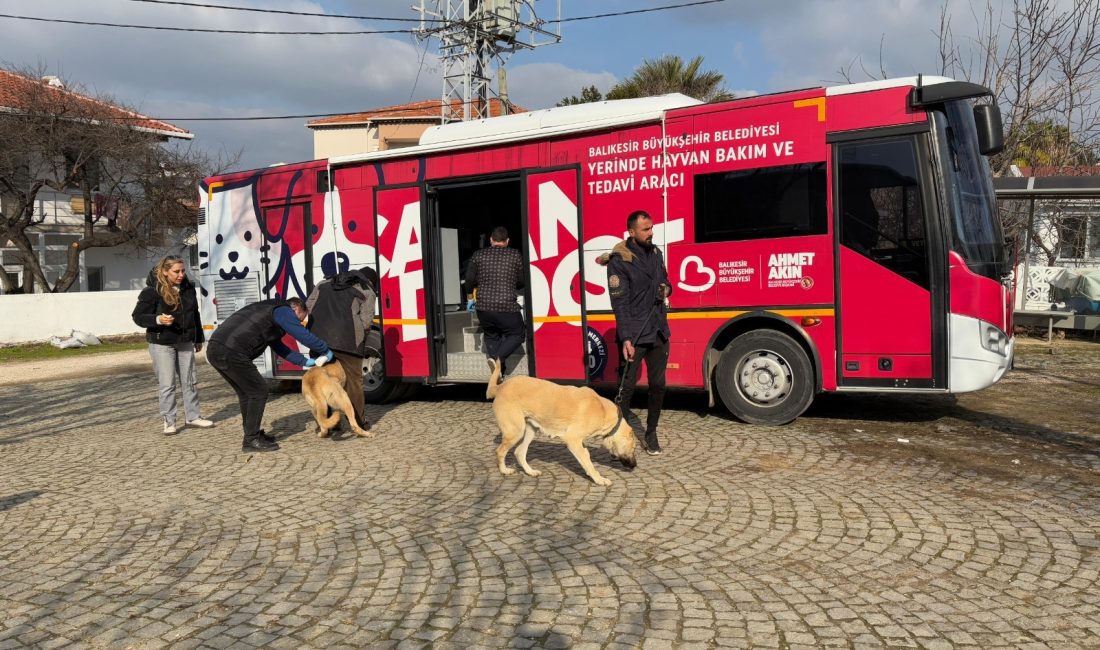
(669,74)
(589,94)
(1043,143)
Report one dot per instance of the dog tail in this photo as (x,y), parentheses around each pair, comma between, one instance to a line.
(494,379)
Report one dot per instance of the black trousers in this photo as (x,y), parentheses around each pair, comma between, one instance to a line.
(504,333)
(655,356)
(242,375)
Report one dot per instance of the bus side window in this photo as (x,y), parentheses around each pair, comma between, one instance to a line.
(765,202)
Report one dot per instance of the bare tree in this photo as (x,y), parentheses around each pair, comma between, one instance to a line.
(86,146)
(1041,59)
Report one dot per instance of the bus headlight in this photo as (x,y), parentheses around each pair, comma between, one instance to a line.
(993,339)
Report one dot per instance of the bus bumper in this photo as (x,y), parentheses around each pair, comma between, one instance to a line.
(980,354)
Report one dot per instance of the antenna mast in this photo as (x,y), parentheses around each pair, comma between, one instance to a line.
(472,33)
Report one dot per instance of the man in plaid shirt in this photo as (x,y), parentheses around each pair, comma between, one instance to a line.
(497,272)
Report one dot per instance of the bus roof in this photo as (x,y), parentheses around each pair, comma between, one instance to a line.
(879,84)
(592,116)
(532,125)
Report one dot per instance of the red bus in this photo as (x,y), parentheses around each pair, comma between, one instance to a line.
(826,239)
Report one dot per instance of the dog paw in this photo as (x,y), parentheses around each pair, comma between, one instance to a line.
(602,481)
(507,471)
(321,433)
(535,472)
(365,434)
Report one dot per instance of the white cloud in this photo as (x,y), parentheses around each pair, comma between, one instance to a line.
(542,85)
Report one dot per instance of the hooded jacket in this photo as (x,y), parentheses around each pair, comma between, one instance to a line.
(187,327)
(634,277)
(341,310)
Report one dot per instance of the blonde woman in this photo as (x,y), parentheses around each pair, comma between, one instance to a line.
(169,311)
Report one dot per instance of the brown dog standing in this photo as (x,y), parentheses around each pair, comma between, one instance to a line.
(524,405)
(323,388)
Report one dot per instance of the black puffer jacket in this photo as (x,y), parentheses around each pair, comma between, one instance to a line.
(187,326)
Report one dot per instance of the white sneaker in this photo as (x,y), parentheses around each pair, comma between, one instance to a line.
(201,423)
(169,429)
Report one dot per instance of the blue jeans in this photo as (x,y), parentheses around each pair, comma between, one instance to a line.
(169,362)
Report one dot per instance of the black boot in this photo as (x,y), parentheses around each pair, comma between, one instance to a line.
(259,443)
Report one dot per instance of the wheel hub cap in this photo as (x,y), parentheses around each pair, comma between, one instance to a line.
(764,378)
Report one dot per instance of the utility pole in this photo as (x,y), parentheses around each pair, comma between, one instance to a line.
(472,34)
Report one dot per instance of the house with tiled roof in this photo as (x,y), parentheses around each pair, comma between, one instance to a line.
(379,129)
(59,215)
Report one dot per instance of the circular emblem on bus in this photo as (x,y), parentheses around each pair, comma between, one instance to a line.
(807,282)
(597,354)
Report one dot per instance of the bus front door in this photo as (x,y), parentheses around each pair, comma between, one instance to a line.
(890,303)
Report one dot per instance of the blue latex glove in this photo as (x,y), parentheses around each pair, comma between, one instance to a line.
(471,305)
(310,363)
(329,356)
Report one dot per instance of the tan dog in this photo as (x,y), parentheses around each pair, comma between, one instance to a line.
(524,405)
(323,388)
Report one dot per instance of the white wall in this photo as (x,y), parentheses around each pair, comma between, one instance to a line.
(126,268)
(38,316)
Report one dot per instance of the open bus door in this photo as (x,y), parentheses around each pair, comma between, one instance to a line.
(401,304)
(552,205)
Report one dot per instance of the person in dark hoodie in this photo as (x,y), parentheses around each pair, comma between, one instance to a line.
(169,311)
(341,312)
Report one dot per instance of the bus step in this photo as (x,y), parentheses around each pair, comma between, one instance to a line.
(471,366)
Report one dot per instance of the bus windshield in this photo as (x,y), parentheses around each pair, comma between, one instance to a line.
(975,228)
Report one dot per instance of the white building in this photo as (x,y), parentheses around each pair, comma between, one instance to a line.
(59,216)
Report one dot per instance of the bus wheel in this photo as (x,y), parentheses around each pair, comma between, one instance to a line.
(377,389)
(764,377)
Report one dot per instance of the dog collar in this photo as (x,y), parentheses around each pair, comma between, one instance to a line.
(616,427)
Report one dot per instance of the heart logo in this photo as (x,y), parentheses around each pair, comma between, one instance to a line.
(694,266)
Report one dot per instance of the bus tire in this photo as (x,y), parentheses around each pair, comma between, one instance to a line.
(765,377)
(377,388)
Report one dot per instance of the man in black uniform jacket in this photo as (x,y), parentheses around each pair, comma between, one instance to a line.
(638,285)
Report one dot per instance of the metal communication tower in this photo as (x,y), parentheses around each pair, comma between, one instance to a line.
(472,33)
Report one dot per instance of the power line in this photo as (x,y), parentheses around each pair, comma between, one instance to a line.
(635,11)
(213,31)
(275,11)
(318,33)
(324,15)
(386,111)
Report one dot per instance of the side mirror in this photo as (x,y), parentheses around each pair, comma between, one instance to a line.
(991,136)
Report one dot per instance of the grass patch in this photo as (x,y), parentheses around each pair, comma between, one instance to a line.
(42,351)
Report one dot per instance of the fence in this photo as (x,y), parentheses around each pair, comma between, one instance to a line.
(36,317)
(1037,285)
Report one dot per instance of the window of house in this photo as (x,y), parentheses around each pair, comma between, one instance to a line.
(95,278)
(13,277)
(1094,236)
(758,203)
(1073,237)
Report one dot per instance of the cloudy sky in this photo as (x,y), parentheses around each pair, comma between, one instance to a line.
(759,45)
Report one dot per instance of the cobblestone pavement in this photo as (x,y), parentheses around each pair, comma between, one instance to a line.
(827,532)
